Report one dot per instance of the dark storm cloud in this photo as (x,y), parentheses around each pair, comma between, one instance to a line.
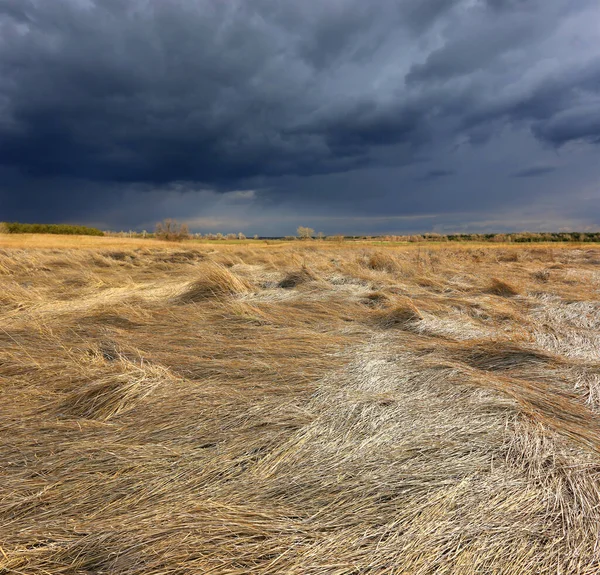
(99,97)
(155,91)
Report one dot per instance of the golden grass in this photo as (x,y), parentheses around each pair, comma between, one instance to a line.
(308,408)
(402,314)
(214,280)
(502,288)
(294,278)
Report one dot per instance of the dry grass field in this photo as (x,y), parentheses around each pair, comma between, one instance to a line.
(300,408)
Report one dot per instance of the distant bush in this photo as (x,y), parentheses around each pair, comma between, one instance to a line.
(305,233)
(63,229)
(171,231)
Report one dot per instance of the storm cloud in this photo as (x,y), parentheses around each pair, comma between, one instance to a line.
(319,108)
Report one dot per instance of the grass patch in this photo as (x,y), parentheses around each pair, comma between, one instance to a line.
(302,407)
(215,281)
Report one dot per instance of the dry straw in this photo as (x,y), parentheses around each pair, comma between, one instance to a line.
(321,409)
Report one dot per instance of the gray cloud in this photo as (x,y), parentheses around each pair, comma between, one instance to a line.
(103,100)
(533,172)
(439,173)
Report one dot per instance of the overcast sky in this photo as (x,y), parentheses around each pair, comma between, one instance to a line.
(350,116)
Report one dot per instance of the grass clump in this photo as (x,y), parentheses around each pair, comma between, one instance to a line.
(541,275)
(295,278)
(502,356)
(404,314)
(215,281)
(377,299)
(114,393)
(382,261)
(502,288)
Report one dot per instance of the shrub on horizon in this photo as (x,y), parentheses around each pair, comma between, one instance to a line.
(171,231)
(305,233)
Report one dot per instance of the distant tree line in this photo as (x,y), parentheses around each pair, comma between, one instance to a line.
(171,230)
(175,233)
(521,237)
(305,233)
(63,229)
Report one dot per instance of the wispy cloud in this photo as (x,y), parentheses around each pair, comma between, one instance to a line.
(534,172)
(436,174)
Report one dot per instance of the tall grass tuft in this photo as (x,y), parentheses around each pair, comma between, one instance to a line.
(214,281)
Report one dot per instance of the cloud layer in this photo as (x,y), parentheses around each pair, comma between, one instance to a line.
(104,102)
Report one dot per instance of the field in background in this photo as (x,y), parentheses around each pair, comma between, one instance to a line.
(301,408)
(50,241)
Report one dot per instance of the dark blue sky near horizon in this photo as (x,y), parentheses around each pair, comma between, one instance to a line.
(395,116)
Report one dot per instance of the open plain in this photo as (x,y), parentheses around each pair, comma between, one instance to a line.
(303,408)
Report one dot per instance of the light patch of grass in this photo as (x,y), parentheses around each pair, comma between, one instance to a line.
(114,393)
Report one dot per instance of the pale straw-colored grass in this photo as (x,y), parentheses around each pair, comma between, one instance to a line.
(306,408)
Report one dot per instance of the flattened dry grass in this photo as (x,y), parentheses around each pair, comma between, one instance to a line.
(403,314)
(294,278)
(115,392)
(502,288)
(307,409)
